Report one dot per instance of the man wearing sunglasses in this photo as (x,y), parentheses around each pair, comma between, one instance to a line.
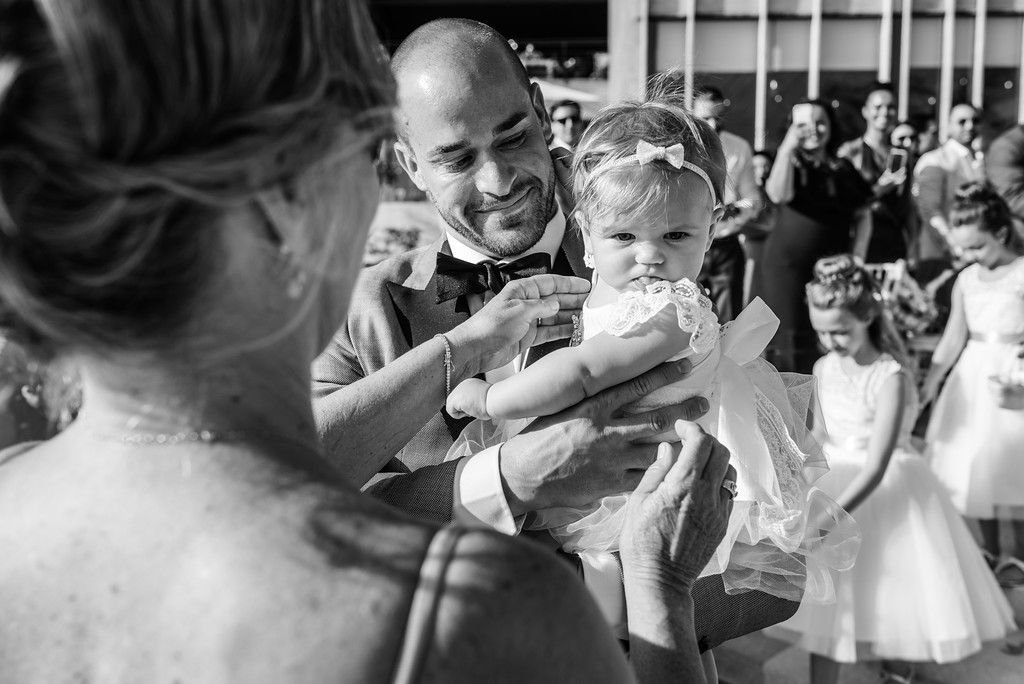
(566,124)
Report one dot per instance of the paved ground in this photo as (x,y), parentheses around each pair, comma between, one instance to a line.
(759,659)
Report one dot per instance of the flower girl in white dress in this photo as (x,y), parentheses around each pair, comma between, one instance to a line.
(920,590)
(648,179)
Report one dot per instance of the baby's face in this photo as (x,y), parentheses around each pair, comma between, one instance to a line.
(665,242)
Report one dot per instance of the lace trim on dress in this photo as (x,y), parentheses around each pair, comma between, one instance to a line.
(693,311)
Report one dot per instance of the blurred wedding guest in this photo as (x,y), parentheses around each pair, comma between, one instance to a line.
(818,195)
(937,175)
(755,231)
(1004,167)
(22,415)
(724,263)
(566,123)
(882,234)
(184,216)
(927,134)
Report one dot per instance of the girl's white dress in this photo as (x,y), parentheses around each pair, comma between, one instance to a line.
(920,589)
(758,414)
(976,448)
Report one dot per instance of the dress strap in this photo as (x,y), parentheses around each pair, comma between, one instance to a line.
(419,625)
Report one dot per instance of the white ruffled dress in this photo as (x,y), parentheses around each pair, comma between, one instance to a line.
(758,414)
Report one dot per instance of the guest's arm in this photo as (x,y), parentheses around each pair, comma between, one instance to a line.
(951,344)
(1004,166)
(929,189)
(779,186)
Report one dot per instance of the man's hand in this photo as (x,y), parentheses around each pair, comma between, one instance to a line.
(526,312)
(592,449)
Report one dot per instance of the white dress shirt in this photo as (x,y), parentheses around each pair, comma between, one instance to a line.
(479,497)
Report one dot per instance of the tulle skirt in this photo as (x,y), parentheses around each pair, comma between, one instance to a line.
(785,537)
(975,447)
(920,589)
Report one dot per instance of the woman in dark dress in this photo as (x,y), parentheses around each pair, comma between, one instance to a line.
(817,194)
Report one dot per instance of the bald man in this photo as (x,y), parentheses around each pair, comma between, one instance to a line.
(472,134)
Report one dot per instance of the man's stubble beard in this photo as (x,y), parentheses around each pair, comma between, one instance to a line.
(508,243)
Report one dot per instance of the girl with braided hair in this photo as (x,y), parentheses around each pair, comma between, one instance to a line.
(920,590)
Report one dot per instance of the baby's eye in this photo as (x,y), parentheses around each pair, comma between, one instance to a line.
(622,237)
(675,235)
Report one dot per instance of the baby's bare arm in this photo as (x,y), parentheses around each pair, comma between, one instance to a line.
(567,376)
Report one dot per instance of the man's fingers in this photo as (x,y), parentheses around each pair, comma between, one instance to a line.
(547,333)
(563,317)
(645,427)
(544,285)
(627,392)
(659,469)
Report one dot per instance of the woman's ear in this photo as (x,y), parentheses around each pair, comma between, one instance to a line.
(285,218)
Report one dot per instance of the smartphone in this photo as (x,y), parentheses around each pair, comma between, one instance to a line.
(803,115)
(897,159)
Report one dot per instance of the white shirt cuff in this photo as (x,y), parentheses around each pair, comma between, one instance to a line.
(479,497)
(602,573)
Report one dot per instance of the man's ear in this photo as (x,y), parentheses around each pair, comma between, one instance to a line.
(537,101)
(407,160)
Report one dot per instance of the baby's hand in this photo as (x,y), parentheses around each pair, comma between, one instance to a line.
(469,398)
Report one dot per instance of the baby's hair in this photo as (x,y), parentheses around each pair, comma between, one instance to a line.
(841,282)
(603,183)
(978,204)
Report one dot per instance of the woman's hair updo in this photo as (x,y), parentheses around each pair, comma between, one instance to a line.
(978,204)
(842,282)
(128,126)
(603,182)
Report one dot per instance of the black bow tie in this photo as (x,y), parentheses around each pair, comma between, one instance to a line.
(456,277)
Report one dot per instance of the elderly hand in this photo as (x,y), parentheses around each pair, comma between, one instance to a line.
(678,514)
(526,312)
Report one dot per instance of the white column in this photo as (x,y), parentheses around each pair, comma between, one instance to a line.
(906,12)
(1020,78)
(643,46)
(946,68)
(690,49)
(761,76)
(978,66)
(814,54)
(885,43)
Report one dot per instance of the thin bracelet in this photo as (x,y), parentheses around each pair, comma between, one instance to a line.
(447,364)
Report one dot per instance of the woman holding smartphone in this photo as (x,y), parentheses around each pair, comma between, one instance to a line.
(818,195)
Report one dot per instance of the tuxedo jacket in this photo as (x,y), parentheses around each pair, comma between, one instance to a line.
(394,308)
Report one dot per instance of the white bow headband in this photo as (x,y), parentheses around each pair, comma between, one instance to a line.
(675,155)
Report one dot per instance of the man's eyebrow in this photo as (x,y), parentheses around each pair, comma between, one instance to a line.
(510,122)
(442,150)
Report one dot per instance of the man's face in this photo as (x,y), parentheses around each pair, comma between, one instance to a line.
(879,111)
(709,110)
(964,124)
(567,126)
(476,144)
